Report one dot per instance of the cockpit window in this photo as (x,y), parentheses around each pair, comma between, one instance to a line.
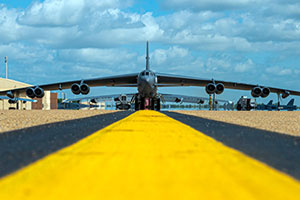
(147,73)
(143,73)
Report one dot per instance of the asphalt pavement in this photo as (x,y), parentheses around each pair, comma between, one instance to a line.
(279,151)
(21,147)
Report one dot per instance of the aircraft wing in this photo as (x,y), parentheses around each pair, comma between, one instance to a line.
(186,99)
(18,99)
(128,80)
(168,80)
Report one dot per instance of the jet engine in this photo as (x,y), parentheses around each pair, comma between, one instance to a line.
(39,92)
(177,100)
(256,92)
(265,92)
(30,92)
(93,101)
(285,94)
(35,92)
(201,101)
(12,101)
(210,88)
(10,94)
(219,88)
(75,88)
(83,88)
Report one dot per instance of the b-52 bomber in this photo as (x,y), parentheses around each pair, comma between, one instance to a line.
(147,83)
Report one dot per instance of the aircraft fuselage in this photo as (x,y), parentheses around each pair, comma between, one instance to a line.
(147,82)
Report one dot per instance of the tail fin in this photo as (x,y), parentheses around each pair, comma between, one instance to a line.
(270,103)
(147,57)
(291,102)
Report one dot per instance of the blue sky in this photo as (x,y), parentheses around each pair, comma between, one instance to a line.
(251,41)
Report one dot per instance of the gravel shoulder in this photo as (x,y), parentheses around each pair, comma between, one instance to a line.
(18,119)
(284,122)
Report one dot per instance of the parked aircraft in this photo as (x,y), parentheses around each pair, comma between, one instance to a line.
(147,83)
(289,107)
(270,106)
(228,105)
(15,99)
(124,101)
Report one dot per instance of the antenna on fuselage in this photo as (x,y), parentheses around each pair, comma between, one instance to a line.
(147,57)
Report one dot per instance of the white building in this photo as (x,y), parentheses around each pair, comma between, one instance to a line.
(49,101)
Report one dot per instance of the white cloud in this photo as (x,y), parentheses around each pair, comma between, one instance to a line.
(9,29)
(107,57)
(279,71)
(160,56)
(64,12)
(215,5)
(244,67)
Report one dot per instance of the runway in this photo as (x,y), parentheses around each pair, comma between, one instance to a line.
(146,155)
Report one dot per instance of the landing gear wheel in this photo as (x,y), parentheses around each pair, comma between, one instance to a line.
(152,104)
(142,104)
(136,104)
(239,107)
(157,106)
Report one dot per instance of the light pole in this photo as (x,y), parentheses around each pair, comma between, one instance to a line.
(6,67)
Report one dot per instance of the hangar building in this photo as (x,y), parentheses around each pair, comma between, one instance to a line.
(49,101)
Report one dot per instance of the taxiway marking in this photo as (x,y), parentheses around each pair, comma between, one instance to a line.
(148,156)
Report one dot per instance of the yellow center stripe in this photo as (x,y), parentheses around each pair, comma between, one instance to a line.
(148,156)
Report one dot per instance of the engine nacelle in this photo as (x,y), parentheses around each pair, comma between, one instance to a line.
(10,94)
(116,99)
(219,88)
(265,92)
(84,89)
(93,101)
(256,92)
(177,100)
(210,88)
(201,101)
(12,101)
(75,88)
(39,92)
(285,94)
(30,92)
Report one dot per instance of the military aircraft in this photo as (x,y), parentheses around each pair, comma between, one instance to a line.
(124,101)
(289,107)
(147,83)
(15,99)
(228,105)
(270,106)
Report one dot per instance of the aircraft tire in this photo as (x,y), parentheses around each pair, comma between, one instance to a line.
(157,106)
(153,101)
(239,107)
(142,104)
(136,104)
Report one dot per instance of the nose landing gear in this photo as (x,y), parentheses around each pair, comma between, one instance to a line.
(147,104)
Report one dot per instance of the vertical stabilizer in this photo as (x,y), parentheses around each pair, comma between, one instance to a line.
(147,57)
(291,102)
(270,103)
